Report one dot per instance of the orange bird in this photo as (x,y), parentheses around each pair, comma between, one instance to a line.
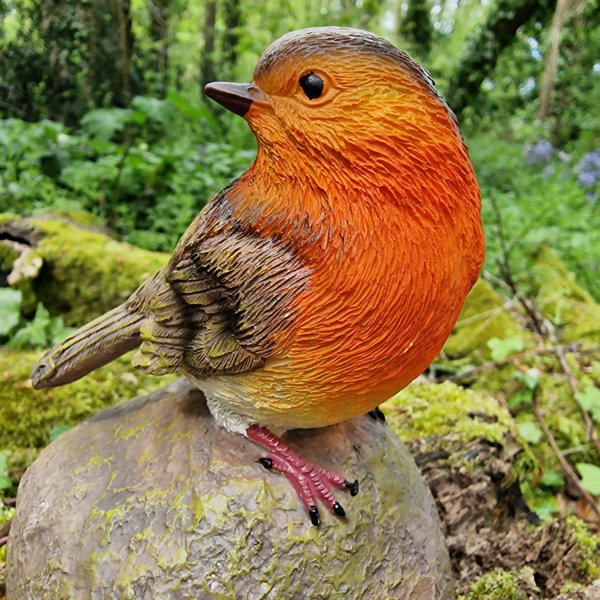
(329,275)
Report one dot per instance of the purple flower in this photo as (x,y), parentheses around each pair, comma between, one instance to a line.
(587,179)
(539,153)
(590,161)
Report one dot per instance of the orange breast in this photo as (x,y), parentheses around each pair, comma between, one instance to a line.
(384,295)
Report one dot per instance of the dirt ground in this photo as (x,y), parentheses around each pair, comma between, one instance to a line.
(488,526)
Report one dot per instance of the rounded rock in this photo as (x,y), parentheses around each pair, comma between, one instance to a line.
(150,499)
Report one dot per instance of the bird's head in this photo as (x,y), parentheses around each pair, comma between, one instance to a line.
(344,97)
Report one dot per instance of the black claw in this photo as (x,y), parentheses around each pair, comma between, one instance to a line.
(352,486)
(313,512)
(376,413)
(338,509)
(267,463)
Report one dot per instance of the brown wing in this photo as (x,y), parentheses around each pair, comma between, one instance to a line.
(227,292)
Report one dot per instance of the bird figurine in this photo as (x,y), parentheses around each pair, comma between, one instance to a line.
(326,277)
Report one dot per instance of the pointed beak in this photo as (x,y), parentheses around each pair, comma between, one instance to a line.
(236,97)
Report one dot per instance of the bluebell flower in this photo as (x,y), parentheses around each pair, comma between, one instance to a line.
(587,179)
(539,153)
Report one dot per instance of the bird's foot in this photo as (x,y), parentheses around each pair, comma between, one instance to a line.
(310,481)
(377,413)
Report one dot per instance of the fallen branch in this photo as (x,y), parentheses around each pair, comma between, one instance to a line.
(4,530)
(574,347)
(590,433)
(567,468)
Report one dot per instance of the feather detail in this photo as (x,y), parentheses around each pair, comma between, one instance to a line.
(98,342)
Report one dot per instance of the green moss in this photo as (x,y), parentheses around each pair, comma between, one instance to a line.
(431,410)
(8,256)
(27,415)
(485,315)
(562,300)
(588,544)
(85,272)
(502,585)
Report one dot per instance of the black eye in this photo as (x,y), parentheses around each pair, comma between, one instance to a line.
(312,85)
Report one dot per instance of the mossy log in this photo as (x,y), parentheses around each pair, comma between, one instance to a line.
(150,499)
(73,269)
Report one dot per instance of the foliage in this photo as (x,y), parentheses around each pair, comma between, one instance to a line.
(5,482)
(532,193)
(130,166)
(19,334)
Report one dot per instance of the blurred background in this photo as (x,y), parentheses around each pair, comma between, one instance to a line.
(102,108)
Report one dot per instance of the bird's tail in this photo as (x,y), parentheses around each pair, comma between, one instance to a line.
(98,342)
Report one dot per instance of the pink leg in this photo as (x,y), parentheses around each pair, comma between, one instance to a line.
(310,481)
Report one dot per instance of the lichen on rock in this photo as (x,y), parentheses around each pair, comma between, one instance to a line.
(150,499)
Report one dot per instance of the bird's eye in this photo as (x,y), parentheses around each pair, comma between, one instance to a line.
(312,85)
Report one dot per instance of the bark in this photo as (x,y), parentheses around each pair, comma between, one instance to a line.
(232,14)
(207,61)
(416,26)
(159,31)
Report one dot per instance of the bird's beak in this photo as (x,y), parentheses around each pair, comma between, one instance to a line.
(236,97)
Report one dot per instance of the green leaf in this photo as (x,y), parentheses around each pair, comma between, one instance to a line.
(501,349)
(10,309)
(153,108)
(553,479)
(103,123)
(530,381)
(519,398)
(57,430)
(544,506)
(530,432)
(57,331)
(43,331)
(589,400)
(5,482)
(590,477)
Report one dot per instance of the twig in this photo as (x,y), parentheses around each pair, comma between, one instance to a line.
(505,268)
(567,468)
(5,528)
(577,449)
(574,347)
(3,541)
(590,433)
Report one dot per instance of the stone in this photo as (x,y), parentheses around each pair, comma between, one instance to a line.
(150,499)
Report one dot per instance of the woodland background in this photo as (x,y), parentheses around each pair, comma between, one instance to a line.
(103,119)
(103,110)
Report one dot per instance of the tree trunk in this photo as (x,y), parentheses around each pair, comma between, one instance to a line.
(551,66)
(232,14)
(207,62)
(159,30)
(125,38)
(487,44)
(416,26)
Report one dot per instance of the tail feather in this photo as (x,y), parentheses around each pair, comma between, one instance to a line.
(100,341)
(92,346)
